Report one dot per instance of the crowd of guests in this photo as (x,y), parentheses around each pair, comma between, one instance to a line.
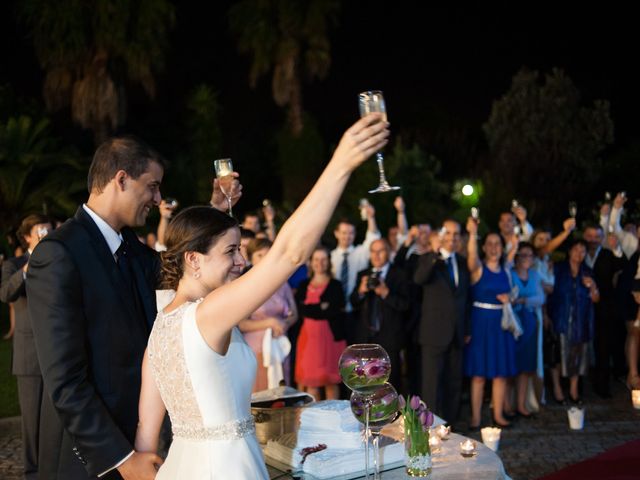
(445,303)
(436,300)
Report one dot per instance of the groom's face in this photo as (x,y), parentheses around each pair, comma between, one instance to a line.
(141,195)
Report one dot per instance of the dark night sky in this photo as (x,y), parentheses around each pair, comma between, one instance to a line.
(439,66)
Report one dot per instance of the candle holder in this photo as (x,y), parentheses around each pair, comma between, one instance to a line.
(491,437)
(635,398)
(443,432)
(468,448)
(435,442)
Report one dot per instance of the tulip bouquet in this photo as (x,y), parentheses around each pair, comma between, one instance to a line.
(417,420)
(364,374)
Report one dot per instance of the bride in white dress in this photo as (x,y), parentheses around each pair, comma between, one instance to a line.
(197,365)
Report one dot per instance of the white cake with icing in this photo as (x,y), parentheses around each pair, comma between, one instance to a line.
(330,423)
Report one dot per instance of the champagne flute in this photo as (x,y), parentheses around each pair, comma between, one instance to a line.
(383,408)
(573,209)
(369,102)
(365,368)
(224,170)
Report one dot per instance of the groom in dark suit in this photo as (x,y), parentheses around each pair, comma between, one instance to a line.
(444,323)
(91,289)
(380,301)
(91,295)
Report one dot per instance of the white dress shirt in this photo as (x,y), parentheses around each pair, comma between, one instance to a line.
(358,260)
(114,239)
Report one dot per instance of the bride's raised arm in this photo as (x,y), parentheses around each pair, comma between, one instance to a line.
(226,306)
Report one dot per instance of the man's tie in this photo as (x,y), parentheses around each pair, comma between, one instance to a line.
(344,275)
(124,265)
(452,275)
(375,320)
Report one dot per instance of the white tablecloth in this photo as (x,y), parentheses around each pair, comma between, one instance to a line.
(448,464)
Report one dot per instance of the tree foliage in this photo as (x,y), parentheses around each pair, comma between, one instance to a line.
(90,49)
(409,167)
(289,38)
(545,145)
(37,176)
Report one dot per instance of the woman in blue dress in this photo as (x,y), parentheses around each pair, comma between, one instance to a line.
(571,311)
(490,353)
(530,299)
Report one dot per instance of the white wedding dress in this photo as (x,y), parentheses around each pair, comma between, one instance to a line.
(208,397)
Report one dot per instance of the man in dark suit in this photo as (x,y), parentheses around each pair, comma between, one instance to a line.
(444,322)
(92,303)
(380,302)
(24,361)
(606,268)
(91,289)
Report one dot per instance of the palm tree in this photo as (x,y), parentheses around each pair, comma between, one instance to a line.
(90,49)
(36,175)
(290,38)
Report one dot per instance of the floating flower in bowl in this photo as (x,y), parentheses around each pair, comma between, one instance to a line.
(364,367)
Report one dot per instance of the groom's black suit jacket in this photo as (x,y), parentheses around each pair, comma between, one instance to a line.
(90,336)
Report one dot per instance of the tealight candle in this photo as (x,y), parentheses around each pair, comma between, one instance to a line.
(443,432)
(435,442)
(635,398)
(468,448)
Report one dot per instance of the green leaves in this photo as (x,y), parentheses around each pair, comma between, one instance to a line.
(36,174)
(289,38)
(88,49)
(545,143)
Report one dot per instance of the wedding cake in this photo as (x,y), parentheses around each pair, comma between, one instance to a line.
(332,424)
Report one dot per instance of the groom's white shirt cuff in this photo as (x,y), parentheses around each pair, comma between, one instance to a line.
(117,464)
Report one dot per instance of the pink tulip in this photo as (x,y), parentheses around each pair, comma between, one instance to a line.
(415,402)
(401,402)
(429,419)
(376,368)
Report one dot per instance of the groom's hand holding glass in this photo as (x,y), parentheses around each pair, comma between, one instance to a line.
(218,197)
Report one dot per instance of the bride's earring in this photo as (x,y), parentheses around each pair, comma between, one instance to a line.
(196,274)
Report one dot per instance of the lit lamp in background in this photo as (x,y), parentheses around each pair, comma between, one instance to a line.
(466,193)
(635,398)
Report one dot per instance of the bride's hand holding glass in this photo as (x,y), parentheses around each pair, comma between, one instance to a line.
(364,138)
(218,197)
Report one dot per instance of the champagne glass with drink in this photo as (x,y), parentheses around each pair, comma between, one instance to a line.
(370,102)
(224,171)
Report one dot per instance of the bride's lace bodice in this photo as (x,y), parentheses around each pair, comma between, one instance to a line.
(206,394)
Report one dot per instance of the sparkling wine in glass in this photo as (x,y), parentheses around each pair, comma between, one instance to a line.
(382,409)
(369,102)
(365,368)
(224,170)
(573,209)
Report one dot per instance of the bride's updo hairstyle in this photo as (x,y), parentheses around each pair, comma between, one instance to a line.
(194,229)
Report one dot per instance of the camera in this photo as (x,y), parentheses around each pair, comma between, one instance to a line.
(171,202)
(373,281)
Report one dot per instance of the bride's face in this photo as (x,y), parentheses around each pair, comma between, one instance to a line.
(223,262)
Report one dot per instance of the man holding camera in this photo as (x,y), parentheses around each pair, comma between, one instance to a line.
(380,302)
